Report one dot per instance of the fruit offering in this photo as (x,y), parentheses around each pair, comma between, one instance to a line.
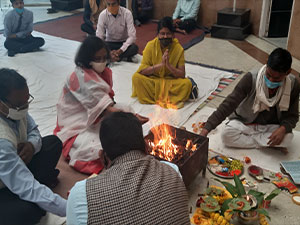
(225,167)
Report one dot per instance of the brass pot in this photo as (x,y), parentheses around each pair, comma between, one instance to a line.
(248,217)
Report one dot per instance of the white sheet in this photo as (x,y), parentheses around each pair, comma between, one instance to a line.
(39,14)
(46,72)
(266,158)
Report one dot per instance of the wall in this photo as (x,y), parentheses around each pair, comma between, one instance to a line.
(208,10)
(294,35)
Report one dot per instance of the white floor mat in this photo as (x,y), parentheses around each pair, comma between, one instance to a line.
(39,14)
(47,70)
(268,159)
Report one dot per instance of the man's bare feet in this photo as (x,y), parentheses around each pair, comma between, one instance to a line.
(181,31)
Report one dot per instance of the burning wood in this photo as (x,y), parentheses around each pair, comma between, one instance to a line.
(167,146)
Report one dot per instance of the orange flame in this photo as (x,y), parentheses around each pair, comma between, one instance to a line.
(163,145)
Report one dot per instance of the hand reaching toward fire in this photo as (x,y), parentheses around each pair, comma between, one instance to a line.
(204,132)
(142,119)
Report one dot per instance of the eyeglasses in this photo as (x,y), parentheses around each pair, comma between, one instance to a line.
(18,108)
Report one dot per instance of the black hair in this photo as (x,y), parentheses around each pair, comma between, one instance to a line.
(10,80)
(86,52)
(280,60)
(12,1)
(121,132)
(117,1)
(166,22)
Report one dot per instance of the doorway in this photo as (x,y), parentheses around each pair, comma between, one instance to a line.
(275,21)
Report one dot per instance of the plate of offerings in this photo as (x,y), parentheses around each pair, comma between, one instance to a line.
(225,167)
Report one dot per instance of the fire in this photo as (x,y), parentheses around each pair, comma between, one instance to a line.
(165,145)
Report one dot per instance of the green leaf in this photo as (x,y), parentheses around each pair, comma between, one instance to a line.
(239,186)
(264,212)
(235,204)
(225,206)
(273,194)
(229,187)
(258,195)
(210,204)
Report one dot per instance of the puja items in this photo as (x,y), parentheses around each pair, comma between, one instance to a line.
(296,198)
(187,150)
(285,183)
(225,167)
(246,207)
(257,173)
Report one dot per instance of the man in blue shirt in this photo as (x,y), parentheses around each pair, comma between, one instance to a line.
(185,15)
(27,161)
(135,188)
(18,26)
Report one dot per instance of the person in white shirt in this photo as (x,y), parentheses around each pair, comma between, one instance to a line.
(115,26)
(27,161)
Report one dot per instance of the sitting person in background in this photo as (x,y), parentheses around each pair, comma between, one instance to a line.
(135,188)
(86,98)
(91,13)
(185,15)
(263,107)
(27,161)
(18,26)
(141,11)
(161,77)
(115,26)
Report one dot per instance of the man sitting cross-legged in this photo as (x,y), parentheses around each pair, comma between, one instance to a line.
(116,28)
(185,15)
(135,188)
(27,161)
(18,26)
(263,107)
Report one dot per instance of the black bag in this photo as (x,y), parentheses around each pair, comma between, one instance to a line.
(194,91)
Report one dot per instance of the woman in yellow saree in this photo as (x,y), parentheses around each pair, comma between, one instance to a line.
(160,78)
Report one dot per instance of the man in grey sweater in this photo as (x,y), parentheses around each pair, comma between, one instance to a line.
(263,107)
(18,26)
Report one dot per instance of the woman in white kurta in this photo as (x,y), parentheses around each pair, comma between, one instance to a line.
(86,97)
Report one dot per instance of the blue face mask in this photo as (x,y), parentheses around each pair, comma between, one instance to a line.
(20,11)
(271,84)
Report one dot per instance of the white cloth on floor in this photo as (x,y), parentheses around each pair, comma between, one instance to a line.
(238,135)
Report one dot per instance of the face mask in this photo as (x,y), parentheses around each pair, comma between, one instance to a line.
(165,41)
(98,66)
(20,11)
(271,84)
(113,9)
(16,114)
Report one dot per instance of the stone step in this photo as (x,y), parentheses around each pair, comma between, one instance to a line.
(239,18)
(230,32)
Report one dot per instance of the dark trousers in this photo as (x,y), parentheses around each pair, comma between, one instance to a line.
(23,45)
(188,25)
(123,3)
(13,210)
(143,16)
(130,51)
(88,28)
